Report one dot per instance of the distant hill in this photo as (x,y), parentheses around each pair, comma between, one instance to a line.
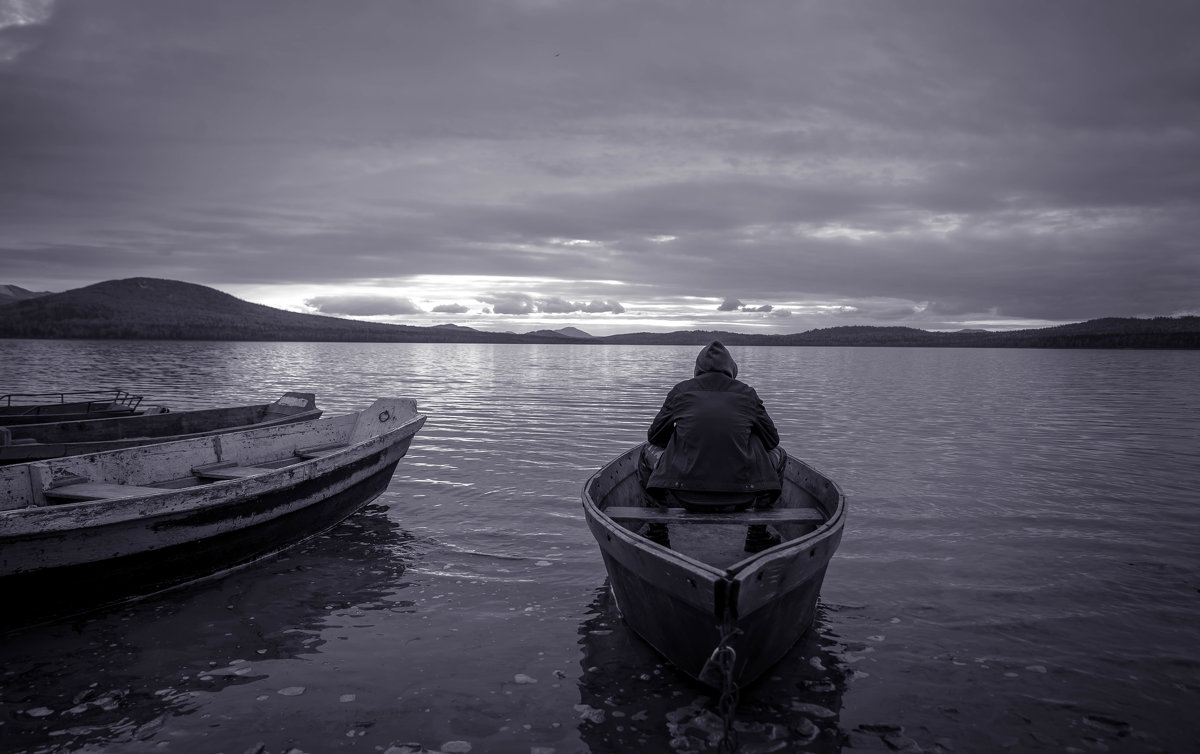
(150,308)
(153,309)
(10,293)
(848,335)
(564,332)
(1159,332)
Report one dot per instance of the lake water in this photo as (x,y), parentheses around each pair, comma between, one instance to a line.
(1020,569)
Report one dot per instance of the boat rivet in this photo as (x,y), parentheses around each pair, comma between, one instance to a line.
(384,416)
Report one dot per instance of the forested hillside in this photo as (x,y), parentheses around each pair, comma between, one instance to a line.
(149,308)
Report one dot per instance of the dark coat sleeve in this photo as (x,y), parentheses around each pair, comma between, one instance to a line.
(764,427)
(664,423)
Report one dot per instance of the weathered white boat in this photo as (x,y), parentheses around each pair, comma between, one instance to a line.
(31,442)
(93,529)
(703,592)
(31,408)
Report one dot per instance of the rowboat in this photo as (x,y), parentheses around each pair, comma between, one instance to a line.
(31,442)
(94,529)
(32,408)
(714,611)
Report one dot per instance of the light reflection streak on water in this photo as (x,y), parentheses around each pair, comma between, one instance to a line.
(1008,510)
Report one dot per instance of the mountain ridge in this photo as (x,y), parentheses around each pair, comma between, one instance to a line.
(17,293)
(157,309)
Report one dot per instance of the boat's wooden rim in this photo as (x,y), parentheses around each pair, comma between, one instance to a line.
(150,501)
(751,563)
(115,396)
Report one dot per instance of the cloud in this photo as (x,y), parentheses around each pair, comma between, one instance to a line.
(556,305)
(1026,160)
(510,303)
(450,309)
(734,305)
(606,305)
(363,306)
(523,303)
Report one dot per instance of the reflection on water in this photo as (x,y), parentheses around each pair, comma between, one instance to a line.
(1018,570)
(632,700)
(118,676)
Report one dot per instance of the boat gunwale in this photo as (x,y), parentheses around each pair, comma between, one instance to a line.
(742,569)
(109,396)
(785,549)
(632,538)
(61,517)
(34,451)
(207,415)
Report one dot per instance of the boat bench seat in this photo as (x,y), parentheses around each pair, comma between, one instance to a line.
(81,491)
(682,515)
(227,471)
(316,451)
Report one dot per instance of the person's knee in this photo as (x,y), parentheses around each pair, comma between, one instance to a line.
(648,461)
(778,458)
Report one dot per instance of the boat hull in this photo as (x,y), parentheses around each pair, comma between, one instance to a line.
(61,560)
(86,404)
(38,441)
(683,607)
(67,413)
(67,590)
(687,635)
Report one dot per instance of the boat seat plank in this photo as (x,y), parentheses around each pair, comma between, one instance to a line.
(682,515)
(316,451)
(98,491)
(224,471)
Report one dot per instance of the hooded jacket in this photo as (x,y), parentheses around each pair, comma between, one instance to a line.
(715,430)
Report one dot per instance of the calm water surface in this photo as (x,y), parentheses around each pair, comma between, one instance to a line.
(1020,570)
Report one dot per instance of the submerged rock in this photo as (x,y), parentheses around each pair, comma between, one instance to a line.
(812,710)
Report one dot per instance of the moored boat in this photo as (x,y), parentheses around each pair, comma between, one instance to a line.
(21,443)
(32,408)
(713,610)
(93,529)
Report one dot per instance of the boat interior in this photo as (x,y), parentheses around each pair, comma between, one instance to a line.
(719,538)
(81,401)
(80,489)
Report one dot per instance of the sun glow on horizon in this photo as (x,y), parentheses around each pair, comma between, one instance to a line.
(493,303)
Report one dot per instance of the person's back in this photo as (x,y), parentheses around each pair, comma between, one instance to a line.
(717,438)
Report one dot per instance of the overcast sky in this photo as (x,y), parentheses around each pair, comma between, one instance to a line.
(616,166)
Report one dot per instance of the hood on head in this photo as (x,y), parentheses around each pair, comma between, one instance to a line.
(715,358)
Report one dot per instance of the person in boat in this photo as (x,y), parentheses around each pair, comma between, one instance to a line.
(713,446)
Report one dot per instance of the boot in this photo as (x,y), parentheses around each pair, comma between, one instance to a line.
(657,533)
(758,538)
